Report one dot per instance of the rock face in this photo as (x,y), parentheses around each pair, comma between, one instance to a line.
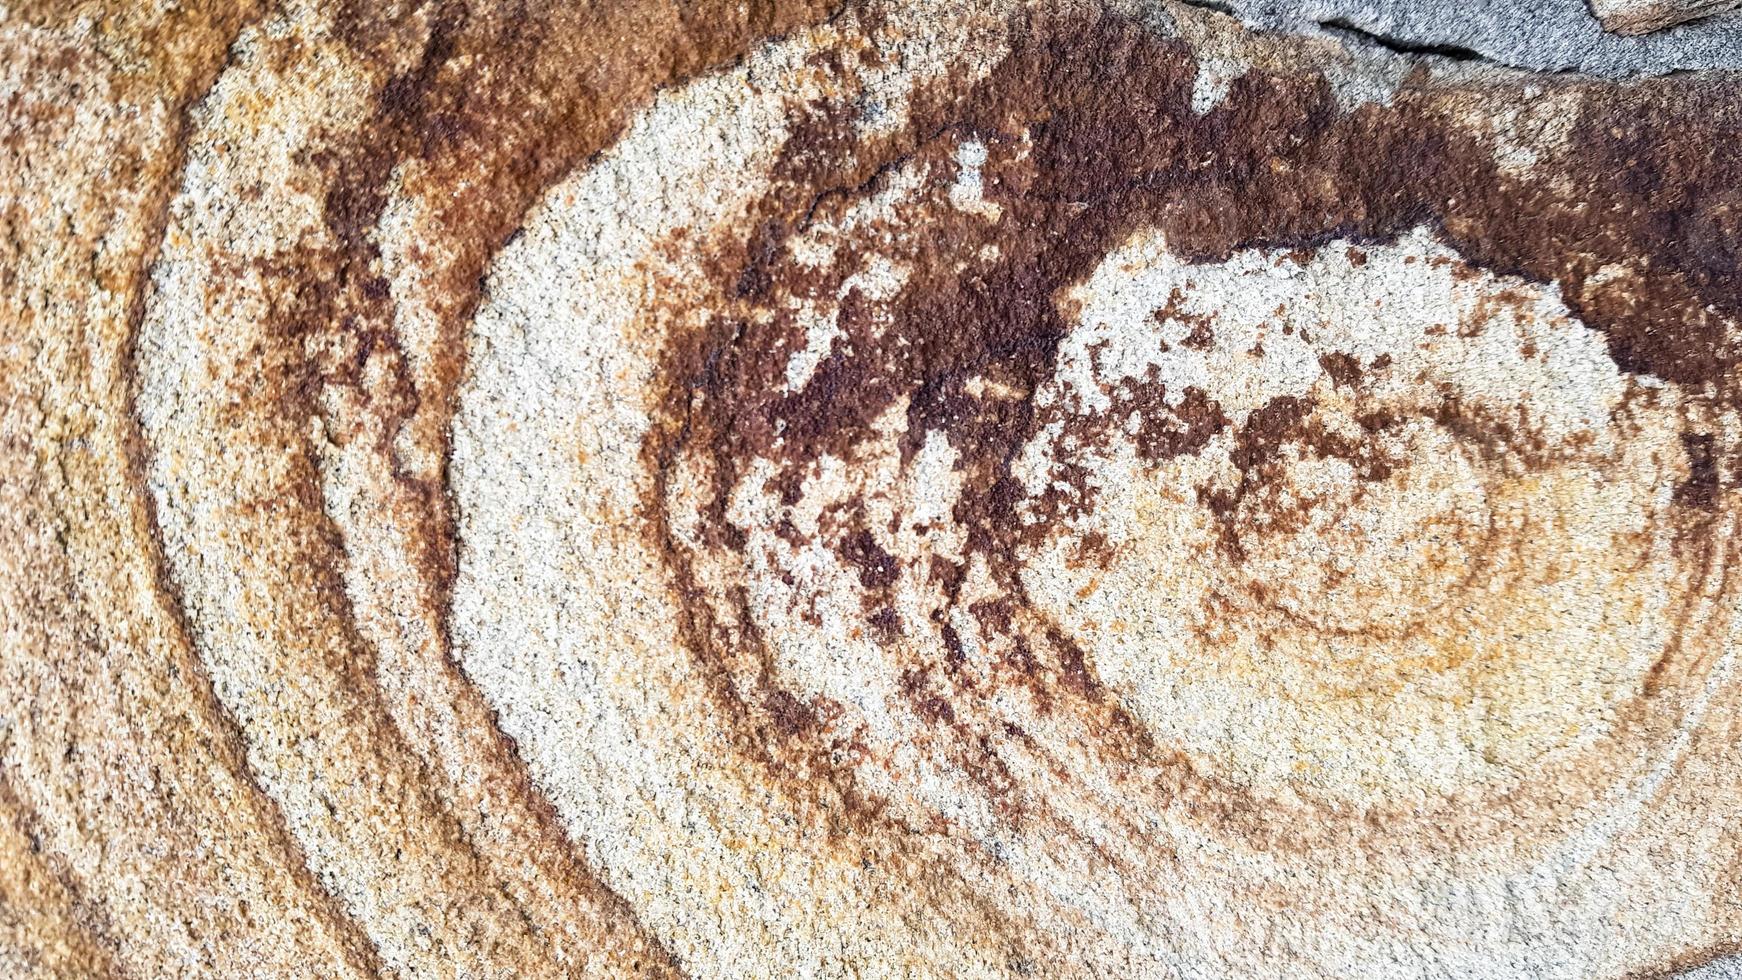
(995,489)
(1645,16)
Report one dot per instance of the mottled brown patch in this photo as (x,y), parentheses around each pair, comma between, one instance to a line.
(1344,370)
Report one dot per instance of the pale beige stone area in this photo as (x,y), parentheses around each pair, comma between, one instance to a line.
(1002,489)
(1452,623)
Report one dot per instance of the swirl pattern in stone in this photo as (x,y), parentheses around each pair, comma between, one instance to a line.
(997,489)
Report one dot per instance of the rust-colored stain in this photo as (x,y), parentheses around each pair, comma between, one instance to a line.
(1036,488)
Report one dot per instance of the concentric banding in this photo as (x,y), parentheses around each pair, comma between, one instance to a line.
(1427,538)
(1353,524)
(1054,520)
(991,489)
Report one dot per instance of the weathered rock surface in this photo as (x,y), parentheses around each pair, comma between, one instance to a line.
(1003,489)
(1645,16)
(1542,35)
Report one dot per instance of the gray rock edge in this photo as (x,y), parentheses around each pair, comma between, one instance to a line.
(1537,35)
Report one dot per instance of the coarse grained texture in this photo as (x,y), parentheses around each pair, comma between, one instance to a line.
(1541,35)
(1644,16)
(1018,488)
